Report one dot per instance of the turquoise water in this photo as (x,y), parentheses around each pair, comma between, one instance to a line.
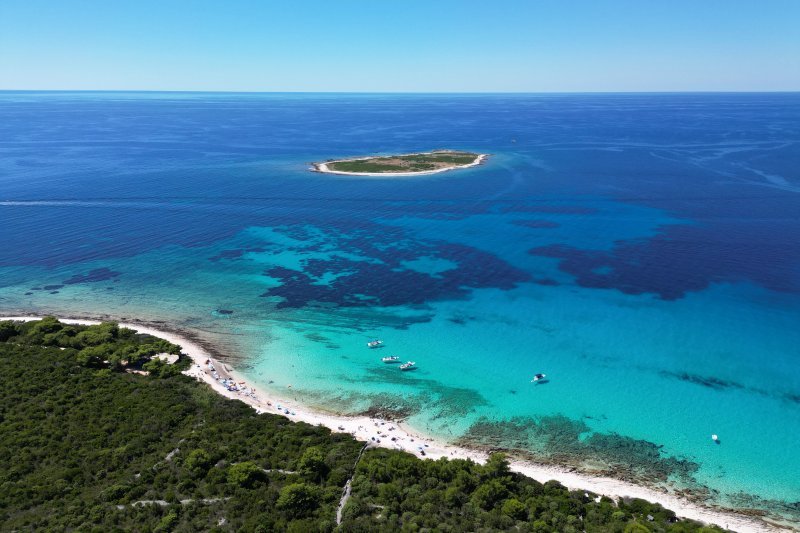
(641,250)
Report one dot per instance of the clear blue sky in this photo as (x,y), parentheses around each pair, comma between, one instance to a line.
(401,45)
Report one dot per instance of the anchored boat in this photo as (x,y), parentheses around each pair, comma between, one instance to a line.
(539,378)
(411,365)
(377,343)
(391,359)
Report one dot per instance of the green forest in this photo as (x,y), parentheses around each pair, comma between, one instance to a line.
(405,163)
(99,435)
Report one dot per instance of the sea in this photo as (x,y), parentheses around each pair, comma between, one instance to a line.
(641,250)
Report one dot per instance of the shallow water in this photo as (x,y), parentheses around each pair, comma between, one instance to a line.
(639,249)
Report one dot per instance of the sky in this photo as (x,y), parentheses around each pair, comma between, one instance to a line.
(401,45)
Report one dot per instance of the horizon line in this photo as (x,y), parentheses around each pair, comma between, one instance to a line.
(191,91)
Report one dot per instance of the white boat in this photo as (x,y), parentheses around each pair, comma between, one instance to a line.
(390,359)
(377,343)
(411,365)
(539,377)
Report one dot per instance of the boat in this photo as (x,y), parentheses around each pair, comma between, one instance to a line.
(390,359)
(377,343)
(539,378)
(411,365)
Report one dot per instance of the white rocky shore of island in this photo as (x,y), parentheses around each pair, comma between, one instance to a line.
(389,434)
(325,169)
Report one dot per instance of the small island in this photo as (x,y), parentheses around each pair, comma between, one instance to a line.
(402,165)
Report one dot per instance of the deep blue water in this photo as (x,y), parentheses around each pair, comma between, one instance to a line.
(642,250)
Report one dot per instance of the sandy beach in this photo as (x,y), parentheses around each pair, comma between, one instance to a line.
(323,167)
(389,434)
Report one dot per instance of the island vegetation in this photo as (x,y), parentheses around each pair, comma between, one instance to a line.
(425,162)
(100,434)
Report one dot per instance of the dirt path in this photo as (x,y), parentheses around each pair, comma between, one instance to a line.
(347,487)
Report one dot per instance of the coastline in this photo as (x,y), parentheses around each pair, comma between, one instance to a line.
(324,169)
(380,432)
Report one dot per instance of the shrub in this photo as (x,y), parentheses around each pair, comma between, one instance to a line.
(488,494)
(198,462)
(312,464)
(8,329)
(168,522)
(496,466)
(515,509)
(298,499)
(245,474)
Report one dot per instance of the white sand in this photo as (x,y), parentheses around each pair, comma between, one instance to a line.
(323,167)
(406,439)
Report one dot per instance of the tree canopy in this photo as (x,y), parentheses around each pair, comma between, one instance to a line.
(88,446)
